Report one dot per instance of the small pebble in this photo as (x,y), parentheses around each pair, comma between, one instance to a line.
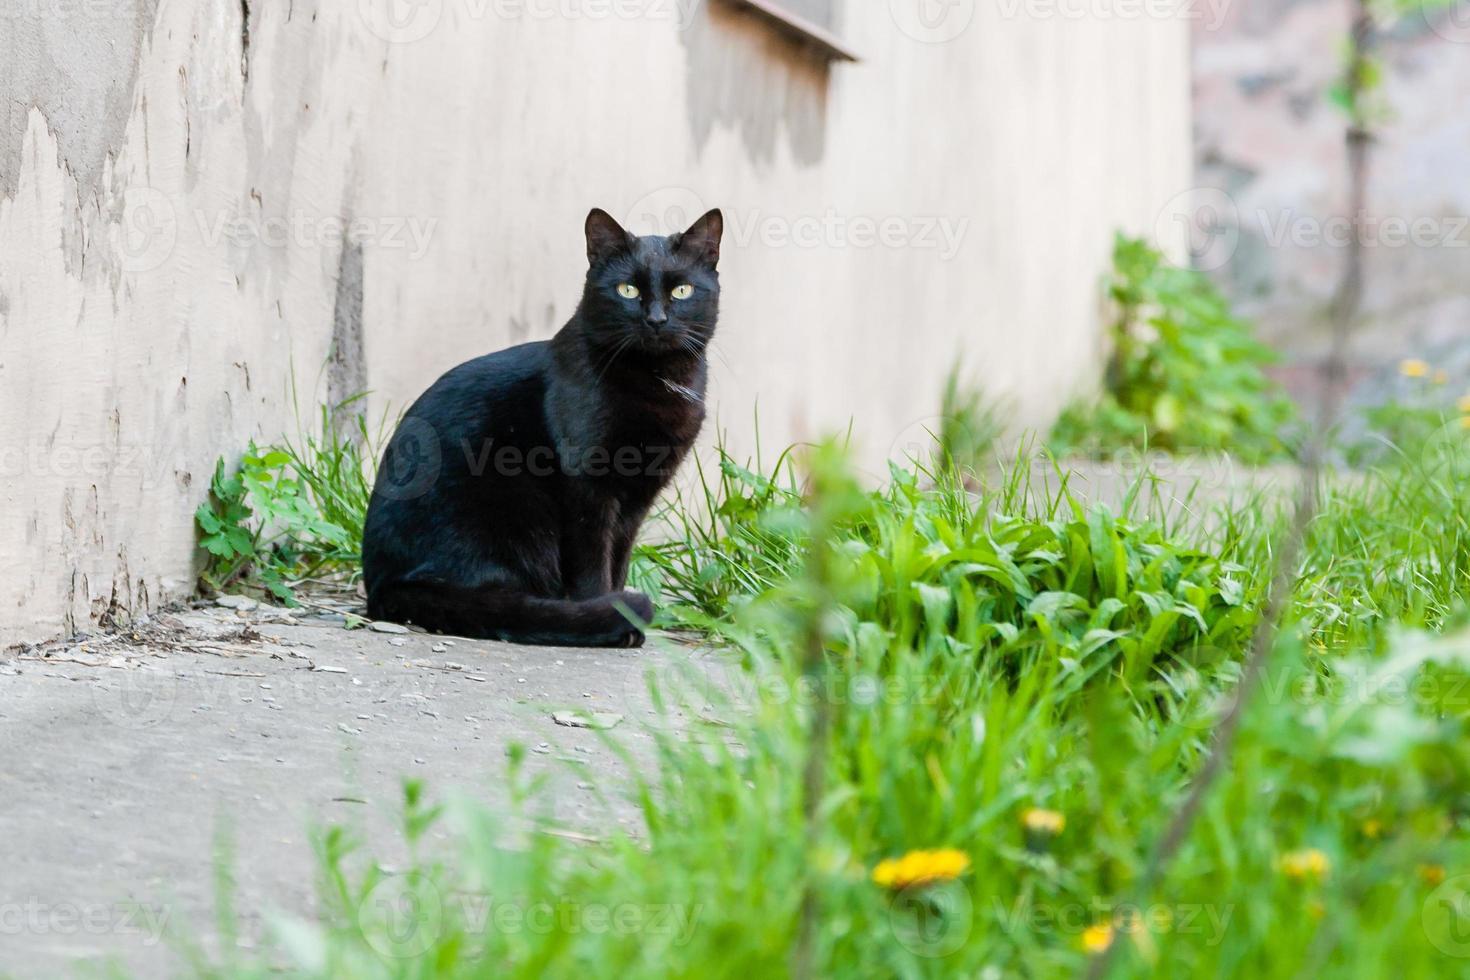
(576,719)
(379,626)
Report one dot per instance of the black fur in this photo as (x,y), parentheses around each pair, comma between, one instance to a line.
(509,498)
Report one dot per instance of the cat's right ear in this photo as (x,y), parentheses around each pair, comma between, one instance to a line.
(605,237)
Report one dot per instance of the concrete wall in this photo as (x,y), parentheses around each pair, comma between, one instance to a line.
(176,177)
(1271,162)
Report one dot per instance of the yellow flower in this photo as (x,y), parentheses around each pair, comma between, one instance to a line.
(1465,421)
(1309,863)
(1372,828)
(1039,821)
(1097,938)
(1413,368)
(921,868)
(1431,874)
(1464,404)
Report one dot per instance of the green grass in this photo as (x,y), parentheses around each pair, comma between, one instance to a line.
(1186,373)
(979,655)
(292,510)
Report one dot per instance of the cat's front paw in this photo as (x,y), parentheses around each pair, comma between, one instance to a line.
(636,609)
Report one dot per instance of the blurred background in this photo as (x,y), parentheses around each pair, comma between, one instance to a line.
(1269,150)
(217,216)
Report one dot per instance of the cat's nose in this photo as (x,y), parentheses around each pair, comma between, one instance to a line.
(656,317)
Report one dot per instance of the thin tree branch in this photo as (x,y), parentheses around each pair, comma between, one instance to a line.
(1344,313)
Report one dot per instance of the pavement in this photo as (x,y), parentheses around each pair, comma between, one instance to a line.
(133,758)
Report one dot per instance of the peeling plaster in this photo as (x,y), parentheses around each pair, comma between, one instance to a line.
(245,40)
(79,69)
(347,372)
(743,74)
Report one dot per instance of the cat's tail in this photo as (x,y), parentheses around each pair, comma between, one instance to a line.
(493,613)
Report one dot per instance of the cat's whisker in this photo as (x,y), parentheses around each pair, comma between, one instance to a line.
(616,352)
(704,348)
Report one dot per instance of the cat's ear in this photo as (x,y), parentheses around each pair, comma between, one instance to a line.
(605,237)
(702,241)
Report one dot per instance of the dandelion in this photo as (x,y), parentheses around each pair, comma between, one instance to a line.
(1097,938)
(1464,404)
(1465,421)
(1431,874)
(1413,368)
(1041,826)
(1039,821)
(921,868)
(1307,864)
(1372,828)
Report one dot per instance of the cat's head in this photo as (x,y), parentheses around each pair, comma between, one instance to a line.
(659,295)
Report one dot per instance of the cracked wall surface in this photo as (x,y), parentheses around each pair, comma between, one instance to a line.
(207,206)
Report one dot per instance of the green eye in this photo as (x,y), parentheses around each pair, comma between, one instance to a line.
(683,292)
(627,290)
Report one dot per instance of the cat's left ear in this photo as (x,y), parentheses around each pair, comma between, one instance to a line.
(702,241)
(605,237)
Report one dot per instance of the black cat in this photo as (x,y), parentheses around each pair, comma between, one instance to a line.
(509,498)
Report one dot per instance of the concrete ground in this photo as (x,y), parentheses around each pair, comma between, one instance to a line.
(129,758)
